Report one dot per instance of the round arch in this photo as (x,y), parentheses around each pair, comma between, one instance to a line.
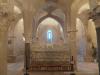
(81,40)
(58,19)
(90,31)
(52,25)
(52,16)
(53,13)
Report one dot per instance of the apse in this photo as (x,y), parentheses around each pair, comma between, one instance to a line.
(50,31)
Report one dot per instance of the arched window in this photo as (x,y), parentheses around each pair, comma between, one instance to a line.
(49,36)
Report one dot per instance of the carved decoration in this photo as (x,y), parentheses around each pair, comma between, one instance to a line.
(95,14)
(6,18)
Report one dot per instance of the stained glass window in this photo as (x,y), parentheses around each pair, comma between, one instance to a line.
(49,36)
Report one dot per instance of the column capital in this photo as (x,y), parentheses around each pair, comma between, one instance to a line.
(95,14)
(28,37)
(6,18)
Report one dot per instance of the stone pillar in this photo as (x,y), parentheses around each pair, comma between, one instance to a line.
(72,34)
(6,19)
(28,20)
(28,39)
(89,40)
(4,16)
(98,41)
(88,52)
(27,58)
(3,53)
(84,19)
(96,18)
(97,22)
(73,47)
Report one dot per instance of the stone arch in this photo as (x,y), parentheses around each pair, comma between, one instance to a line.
(76,5)
(15,41)
(38,17)
(56,28)
(8,19)
(15,17)
(81,40)
(18,4)
(54,17)
(51,16)
(83,14)
(18,13)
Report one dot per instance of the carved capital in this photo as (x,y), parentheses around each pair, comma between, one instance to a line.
(95,14)
(6,18)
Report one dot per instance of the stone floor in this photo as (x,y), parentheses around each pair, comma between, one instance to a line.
(83,69)
(15,69)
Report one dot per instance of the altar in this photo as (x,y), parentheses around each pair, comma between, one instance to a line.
(54,58)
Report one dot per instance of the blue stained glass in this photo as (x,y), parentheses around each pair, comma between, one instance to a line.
(49,35)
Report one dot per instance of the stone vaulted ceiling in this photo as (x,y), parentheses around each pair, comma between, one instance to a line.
(37,3)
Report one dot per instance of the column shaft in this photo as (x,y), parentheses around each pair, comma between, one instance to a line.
(3,54)
(98,41)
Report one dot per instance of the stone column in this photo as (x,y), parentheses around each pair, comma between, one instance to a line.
(73,47)
(6,19)
(98,41)
(28,20)
(28,39)
(3,53)
(96,18)
(3,40)
(84,18)
(97,22)
(27,53)
(88,52)
(72,34)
